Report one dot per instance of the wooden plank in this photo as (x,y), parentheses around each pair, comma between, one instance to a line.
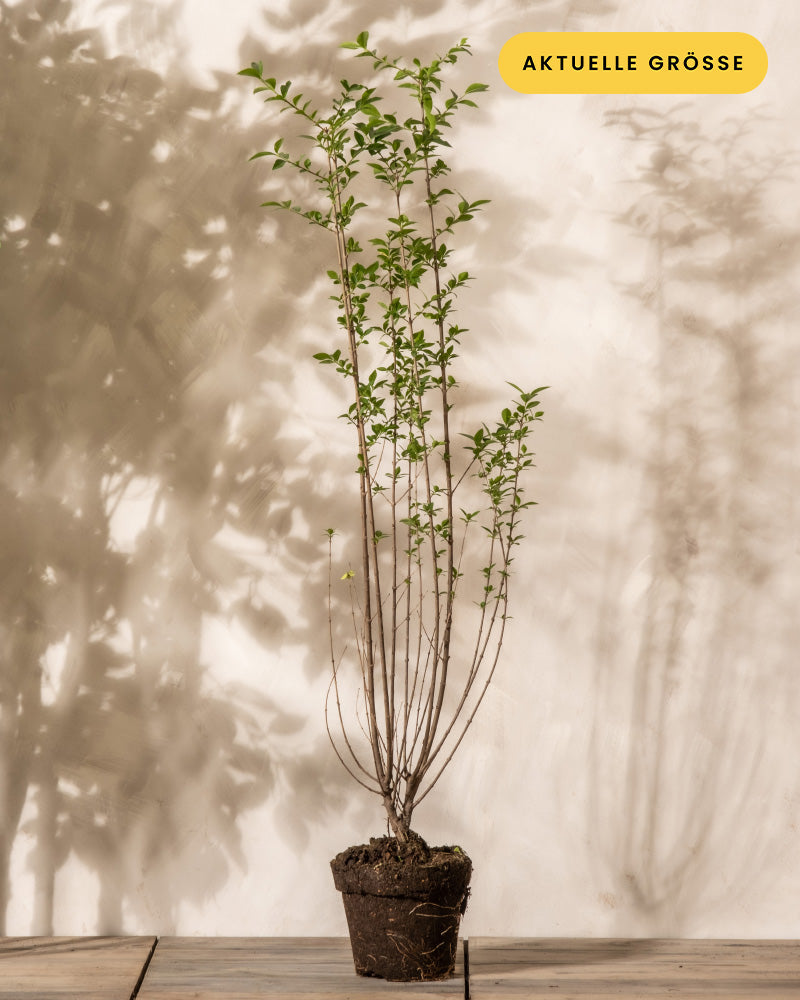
(99,968)
(593,969)
(284,968)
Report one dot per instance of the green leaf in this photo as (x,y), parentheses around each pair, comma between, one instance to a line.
(476,88)
(362,39)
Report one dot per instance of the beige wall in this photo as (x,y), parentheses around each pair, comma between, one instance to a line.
(168,464)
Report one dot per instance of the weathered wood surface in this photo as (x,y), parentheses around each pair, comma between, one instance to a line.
(294,968)
(594,969)
(283,968)
(100,968)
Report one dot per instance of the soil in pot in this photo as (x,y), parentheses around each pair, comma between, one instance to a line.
(403,904)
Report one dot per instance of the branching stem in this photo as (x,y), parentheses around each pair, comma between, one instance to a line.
(396,301)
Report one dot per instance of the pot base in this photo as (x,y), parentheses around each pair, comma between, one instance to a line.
(403,914)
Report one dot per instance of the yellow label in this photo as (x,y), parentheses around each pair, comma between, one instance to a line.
(633,62)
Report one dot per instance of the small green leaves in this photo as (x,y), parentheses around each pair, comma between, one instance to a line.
(254,69)
(359,43)
(370,166)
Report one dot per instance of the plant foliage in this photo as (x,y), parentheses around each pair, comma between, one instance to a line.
(397,347)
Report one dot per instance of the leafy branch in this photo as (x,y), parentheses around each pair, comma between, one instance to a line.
(396,299)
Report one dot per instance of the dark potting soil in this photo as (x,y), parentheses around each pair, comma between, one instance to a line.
(413,851)
(387,867)
(403,904)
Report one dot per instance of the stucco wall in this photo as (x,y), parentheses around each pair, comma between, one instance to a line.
(169,463)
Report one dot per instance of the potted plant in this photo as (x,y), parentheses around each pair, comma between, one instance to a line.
(438,523)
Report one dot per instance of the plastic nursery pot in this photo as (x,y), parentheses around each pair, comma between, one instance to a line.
(403,914)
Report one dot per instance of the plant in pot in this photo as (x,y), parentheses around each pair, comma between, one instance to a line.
(438,522)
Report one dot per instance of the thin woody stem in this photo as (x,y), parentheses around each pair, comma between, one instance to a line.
(403,607)
(367,515)
(448,473)
(429,707)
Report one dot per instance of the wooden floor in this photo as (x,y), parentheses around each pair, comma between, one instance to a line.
(642,968)
(125,968)
(285,968)
(101,968)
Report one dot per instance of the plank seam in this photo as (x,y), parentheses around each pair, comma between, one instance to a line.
(143,973)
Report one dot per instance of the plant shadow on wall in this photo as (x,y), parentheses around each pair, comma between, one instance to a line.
(302,42)
(147,476)
(151,474)
(685,753)
(305,24)
(303,305)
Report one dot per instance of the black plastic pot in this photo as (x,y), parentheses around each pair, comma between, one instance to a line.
(404,916)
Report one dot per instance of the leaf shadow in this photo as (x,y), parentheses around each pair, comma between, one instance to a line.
(687,656)
(148,470)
